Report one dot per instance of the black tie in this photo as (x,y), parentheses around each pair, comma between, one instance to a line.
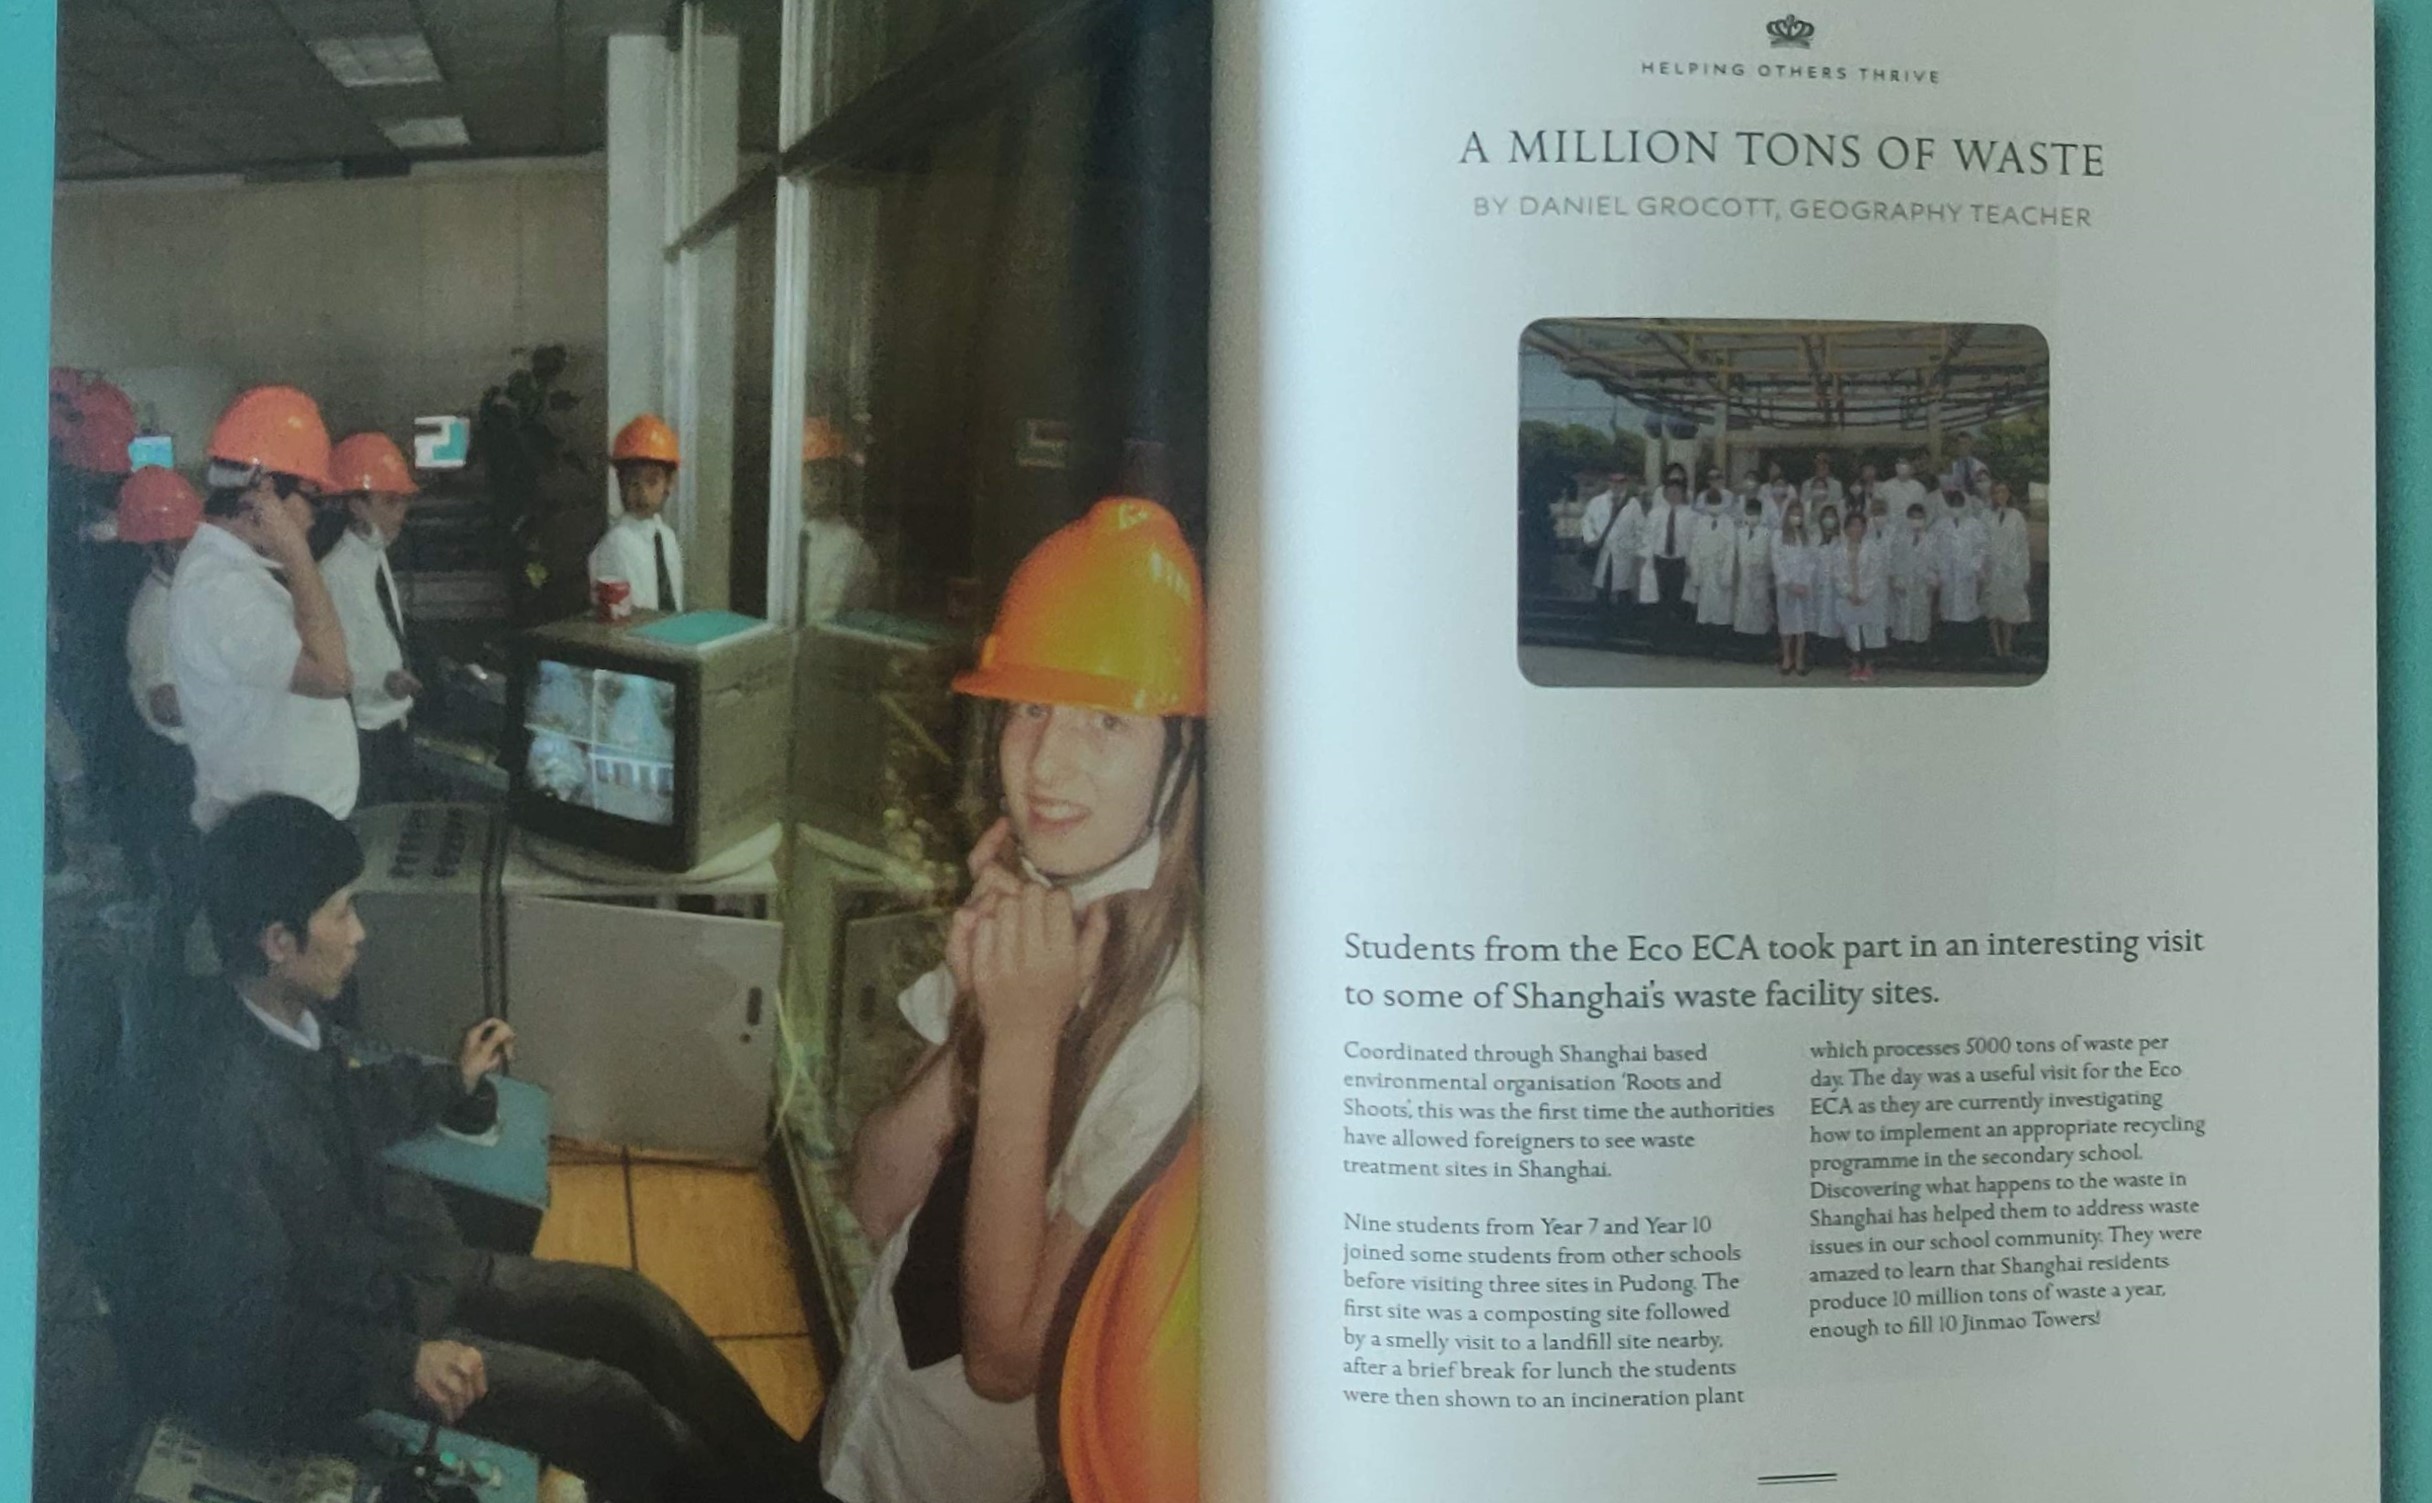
(1672,532)
(388,605)
(667,584)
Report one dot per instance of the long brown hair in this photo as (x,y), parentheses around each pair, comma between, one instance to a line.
(1146,931)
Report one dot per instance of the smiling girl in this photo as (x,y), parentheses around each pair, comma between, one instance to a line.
(1063,1030)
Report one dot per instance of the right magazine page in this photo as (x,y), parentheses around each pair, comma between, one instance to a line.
(1794,836)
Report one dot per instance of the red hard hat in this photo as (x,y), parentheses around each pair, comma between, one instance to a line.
(370,462)
(156,505)
(100,423)
(275,428)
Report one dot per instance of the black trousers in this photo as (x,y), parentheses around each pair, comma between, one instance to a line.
(598,1371)
(387,758)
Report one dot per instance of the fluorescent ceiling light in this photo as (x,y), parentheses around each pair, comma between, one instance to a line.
(426,134)
(378,62)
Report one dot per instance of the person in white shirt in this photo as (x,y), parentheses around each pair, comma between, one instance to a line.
(1671,531)
(1822,489)
(1959,568)
(1779,493)
(1616,546)
(1903,490)
(157,512)
(640,548)
(1966,470)
(2006,567)
(256,653)
(1910,560)
(1710,560)
(839,569)
(1856,569)
(1752,570)
(1061,1035)
(1824,609)
(1793,559)
(377,487)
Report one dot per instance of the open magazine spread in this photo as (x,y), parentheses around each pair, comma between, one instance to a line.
(1659,719)
(1794,794)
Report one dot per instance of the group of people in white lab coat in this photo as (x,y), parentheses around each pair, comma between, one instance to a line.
(1877,563)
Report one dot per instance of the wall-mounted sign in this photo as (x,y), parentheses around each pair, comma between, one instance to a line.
(441,443)
(1044,444)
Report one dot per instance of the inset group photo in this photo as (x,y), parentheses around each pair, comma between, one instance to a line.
(1740,502)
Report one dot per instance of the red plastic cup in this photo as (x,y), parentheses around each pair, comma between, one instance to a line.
(612,599)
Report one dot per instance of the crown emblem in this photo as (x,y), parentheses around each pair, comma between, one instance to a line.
(1790,31)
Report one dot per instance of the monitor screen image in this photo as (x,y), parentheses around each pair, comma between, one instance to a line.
(603,740)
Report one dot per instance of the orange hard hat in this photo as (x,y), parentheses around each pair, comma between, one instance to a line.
(1105,614)
(100,425)
(1127,1421)
(275,428)
(370,462)
(822,439)
(646,437)
(156,505)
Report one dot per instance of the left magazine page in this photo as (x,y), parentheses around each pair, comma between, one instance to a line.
(623,757)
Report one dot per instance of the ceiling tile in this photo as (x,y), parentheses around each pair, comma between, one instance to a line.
(445,17)
(350,18)
(207,22)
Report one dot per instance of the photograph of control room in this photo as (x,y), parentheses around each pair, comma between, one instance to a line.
(1761,422)
(910,288)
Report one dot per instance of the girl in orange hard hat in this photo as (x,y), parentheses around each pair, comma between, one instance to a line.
(1063,1029)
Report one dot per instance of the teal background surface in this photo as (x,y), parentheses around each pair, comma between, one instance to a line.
(2404,72)
(28,64)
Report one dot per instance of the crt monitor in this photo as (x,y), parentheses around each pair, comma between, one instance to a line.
(661,741)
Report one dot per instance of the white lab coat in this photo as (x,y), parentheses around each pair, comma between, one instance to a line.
(2006,566)
(1617,553)
(1898,495)
(1710,567)
(1820,491)
(1596,517)
(1823,602)
(1859,590)
(1752,595)
(1959,566)
(1794,582)
(625,553)
(1910,554)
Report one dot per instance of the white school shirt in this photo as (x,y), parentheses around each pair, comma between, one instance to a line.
(233,649)
(148,651)
(839,570)
(625,553)
(353,572)
(895,1435)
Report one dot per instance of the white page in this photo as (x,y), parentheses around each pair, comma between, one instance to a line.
(2199,755)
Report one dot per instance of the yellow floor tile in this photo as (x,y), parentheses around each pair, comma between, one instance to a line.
(715,1239)
(587,1221)
(785,1373)
(576,1151)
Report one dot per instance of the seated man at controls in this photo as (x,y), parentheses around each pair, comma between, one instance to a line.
(304,1282)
